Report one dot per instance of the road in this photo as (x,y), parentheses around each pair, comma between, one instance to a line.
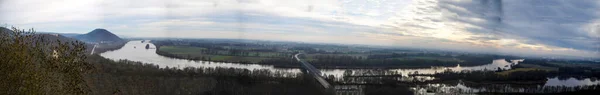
(93,49)
(313,71)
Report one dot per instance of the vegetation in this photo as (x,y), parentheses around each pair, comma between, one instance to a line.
(564,68)
(514,77)
(37,64)
(32,64)
(400,60)
(128,77)
(220,52)
(322,56)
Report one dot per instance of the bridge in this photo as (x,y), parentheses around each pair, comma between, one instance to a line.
(314,75)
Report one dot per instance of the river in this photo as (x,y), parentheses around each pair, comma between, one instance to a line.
(136,51)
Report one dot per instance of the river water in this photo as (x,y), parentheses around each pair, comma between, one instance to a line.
(136,51)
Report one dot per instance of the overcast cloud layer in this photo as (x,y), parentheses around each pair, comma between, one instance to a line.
(524,27)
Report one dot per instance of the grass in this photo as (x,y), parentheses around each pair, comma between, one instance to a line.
(444,59)
(181,49)
(237,58)
(311,57)
(516,70)
(264,54)
(196,52)
(539,67)
(364,56)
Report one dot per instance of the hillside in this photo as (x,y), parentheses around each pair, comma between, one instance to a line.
(99,36)
(46,36)
(53,37)
(4,30)
(63,34)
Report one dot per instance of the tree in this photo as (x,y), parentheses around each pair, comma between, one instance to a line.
(34,64)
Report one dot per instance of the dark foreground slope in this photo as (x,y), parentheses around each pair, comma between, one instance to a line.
(28,69)
(135,78)
(34,64)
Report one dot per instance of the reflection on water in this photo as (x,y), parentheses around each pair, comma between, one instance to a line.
(570,82)
(130,52)
(553,85)
(498,63)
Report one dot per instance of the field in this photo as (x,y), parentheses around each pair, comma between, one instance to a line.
(539,67)
(220,55)
(322,56)
(310,57)
(443,59)
(181,49)
(516,70)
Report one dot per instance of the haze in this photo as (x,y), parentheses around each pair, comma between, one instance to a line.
(518,27)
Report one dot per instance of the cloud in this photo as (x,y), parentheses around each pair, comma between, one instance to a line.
(534,27)
(548,26)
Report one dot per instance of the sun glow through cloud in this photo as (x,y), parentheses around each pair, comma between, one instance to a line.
(524,27)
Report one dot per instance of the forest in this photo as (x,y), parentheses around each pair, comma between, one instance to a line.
(128,77)
(322,56)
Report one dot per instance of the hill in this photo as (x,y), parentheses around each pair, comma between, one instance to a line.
(100,36)
(52,37)
(5,31)
(63,34)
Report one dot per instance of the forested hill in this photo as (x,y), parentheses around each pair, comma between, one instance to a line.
(99,35)
(4,30)
(51,37)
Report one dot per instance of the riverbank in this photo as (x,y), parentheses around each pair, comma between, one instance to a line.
(378,76)
(293,65)
(125,77)
(101,48)
(285,62)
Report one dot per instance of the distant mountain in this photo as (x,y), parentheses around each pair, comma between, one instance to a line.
(99,36)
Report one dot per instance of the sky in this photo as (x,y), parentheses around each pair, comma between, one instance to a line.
(518,27)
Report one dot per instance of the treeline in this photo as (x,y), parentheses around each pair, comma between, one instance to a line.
(308,50)
(516,89)
(128,77)
(283,62)
(478,77)
(536,89)
(566,68)
(516,77)
(240,49)
(393,61)
(517,82)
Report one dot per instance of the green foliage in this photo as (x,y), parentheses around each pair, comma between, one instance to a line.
(31,64)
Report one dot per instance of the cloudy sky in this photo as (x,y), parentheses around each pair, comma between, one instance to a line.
(524,27)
